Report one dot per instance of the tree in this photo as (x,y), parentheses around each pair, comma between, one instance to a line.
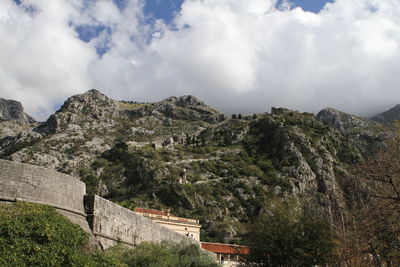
(188,139)
(283,236)
(375,229)
(234,117)
(240,116)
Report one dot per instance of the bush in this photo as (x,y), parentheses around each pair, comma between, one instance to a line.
(36,235)
(164,254)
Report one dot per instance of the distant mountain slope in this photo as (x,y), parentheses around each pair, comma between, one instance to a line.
(368,136)
(341,120)
(389,116)
(11,110)
(13,119)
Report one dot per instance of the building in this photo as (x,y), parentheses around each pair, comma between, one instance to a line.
(227,254)
(184,226)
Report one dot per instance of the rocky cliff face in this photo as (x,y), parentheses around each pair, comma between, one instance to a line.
(181,154)
(11,110)
(13,120)
(342,121)
(368,136)
(93,107)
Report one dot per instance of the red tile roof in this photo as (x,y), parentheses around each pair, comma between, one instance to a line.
(225,248)
(151,211)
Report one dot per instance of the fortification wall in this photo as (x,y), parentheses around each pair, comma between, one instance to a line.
(106,222)
(111,223)
(24,182)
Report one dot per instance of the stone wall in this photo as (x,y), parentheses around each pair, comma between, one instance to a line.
(24,182)
(111,223)
(106,222)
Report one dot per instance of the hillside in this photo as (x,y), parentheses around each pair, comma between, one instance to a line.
(388,117)
(181,154)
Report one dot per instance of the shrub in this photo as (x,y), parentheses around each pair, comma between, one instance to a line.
(164,254)
(36,235)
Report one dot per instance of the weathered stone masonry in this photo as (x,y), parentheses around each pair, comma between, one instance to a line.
(104,220)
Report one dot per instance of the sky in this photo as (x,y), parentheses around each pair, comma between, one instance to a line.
(238,56)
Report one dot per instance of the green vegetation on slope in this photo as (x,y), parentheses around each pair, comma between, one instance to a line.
(232,172)
(36,235)
(165,254)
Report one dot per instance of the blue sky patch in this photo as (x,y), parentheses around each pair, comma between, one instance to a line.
(87,32)
(309,5)
(167,9)
(162,9)
(121,4)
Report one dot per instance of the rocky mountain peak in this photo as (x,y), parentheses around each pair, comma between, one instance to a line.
(89,106)
(11,110)
(88,99)
(189,100)
(185,101)
(389,116)
(341,120)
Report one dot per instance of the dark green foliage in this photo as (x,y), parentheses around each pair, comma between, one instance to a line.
(283,236)
(239,116)
(188,139)
(36,235)
(263,137)
(90,179)
(234,117)
(134,169)
(164,254)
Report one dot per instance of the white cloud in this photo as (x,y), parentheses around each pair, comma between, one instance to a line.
(41,59)
(240,56)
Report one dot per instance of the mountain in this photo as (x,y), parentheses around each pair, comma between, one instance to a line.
(368,136)
(184,155)
(388,117)
(13,120)
(11,110)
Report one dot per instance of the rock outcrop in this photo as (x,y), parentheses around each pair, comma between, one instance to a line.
(13,121)
(178,108)
(341,121)
(368,136)
(11,110)
(91,107)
